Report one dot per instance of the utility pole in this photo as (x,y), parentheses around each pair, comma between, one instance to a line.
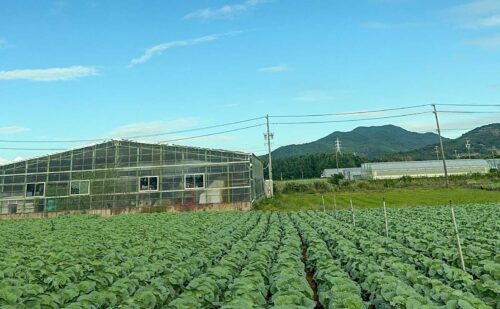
(456,154)
(441,144)
(467,145)
(268,136)
(337,151)
(437,152)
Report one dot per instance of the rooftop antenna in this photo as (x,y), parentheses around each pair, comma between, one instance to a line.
(467,145)
(337,151)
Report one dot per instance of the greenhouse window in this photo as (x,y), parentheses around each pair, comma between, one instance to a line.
(194,181)
(148,183)
(35,189)
(80,187)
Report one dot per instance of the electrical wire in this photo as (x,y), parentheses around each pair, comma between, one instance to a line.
(351,120)
(47,149)
(471,105)
(165,141)
(469,112)
(211,134)
(351,113)
(136,136)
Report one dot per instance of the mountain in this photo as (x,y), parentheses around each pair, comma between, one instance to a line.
(369,142)
(484,141)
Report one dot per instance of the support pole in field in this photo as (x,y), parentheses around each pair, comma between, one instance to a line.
(323,199)
(441,144)
(352,211)
(385,217)
(335,205)
(268,137)
(459,246)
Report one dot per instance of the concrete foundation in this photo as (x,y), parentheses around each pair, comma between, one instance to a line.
(244,206)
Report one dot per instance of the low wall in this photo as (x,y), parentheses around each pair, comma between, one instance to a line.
(244,206)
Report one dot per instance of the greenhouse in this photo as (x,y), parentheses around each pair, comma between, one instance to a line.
(123,174)
(430,168)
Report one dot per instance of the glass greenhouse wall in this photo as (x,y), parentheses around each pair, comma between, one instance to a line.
(127,174)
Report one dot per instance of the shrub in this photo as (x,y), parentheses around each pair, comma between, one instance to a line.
(335,179)
(291,187)
(389,183)
(406,179)
(322,186)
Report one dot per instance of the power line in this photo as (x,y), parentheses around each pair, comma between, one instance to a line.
(350,113)
(133,137)
(469,112)
(47,149)
(211,134)
(471,105)
(351,120)
(165,141)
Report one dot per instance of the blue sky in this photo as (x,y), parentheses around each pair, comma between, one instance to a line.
(101,69)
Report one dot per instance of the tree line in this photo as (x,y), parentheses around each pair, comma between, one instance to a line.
(311,165)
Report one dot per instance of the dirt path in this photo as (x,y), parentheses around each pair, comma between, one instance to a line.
(309,277)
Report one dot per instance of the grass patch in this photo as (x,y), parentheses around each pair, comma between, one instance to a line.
(366,199)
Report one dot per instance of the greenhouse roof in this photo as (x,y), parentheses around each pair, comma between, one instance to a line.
(126,141)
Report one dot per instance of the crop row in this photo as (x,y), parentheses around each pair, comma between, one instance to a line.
(249,260)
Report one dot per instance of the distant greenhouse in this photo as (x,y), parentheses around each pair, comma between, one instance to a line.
(430,168)
(352,173)
(120,174)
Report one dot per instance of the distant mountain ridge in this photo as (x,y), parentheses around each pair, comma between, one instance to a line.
(369,142)
(484,142)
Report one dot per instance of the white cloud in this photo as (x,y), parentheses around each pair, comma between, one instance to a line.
(475,14)
(226,11)
(50,74)
(12,130)
(160,48)
(379,25)
(152,127)
(313,96)
(491,42)
(3,43)
(275,69)
(4,161)
(386,25)
(489,21)
(58,7)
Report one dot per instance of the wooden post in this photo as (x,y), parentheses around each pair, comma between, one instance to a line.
(385,217)
(352,211)
(459,246)
(335,205)
(323,199)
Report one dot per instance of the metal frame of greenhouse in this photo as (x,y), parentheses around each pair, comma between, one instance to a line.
(118,175)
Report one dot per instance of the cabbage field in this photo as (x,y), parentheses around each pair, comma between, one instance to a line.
(309,259)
